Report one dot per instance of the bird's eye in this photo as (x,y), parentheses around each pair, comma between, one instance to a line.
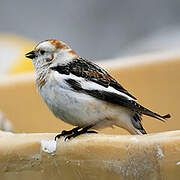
(42,52)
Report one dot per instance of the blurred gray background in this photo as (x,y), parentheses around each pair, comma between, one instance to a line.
(96,29)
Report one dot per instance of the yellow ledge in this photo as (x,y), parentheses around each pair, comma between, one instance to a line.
(155,156)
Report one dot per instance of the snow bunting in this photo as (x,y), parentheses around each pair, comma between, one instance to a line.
(83,94)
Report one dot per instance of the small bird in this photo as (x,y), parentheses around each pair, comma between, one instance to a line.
(83,94)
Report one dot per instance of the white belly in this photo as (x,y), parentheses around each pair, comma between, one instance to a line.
(78,109)
(73,108)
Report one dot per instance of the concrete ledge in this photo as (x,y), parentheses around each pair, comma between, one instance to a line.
(154,156)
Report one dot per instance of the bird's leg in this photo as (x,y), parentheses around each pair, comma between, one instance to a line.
(64,132)
(77,133)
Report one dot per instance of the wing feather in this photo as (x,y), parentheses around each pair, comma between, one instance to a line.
(91,72)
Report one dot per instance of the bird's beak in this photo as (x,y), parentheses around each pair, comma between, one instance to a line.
(31,55)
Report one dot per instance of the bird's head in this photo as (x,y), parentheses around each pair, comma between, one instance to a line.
(50,53)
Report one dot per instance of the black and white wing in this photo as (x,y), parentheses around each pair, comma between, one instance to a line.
(86,77)
(91,72)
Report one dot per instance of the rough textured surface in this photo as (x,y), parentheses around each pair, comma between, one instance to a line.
(154,156)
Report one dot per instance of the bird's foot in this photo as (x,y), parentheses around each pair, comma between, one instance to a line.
(64,132)
(77,133)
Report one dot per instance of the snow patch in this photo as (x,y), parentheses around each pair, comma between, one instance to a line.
(48,146)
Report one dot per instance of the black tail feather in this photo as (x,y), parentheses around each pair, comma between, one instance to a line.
(148,112)
(157,116)
(166,116)
(142,110)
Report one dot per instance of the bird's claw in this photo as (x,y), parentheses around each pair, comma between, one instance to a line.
(57,136)
(77,134)
(64,133)
(74,133)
